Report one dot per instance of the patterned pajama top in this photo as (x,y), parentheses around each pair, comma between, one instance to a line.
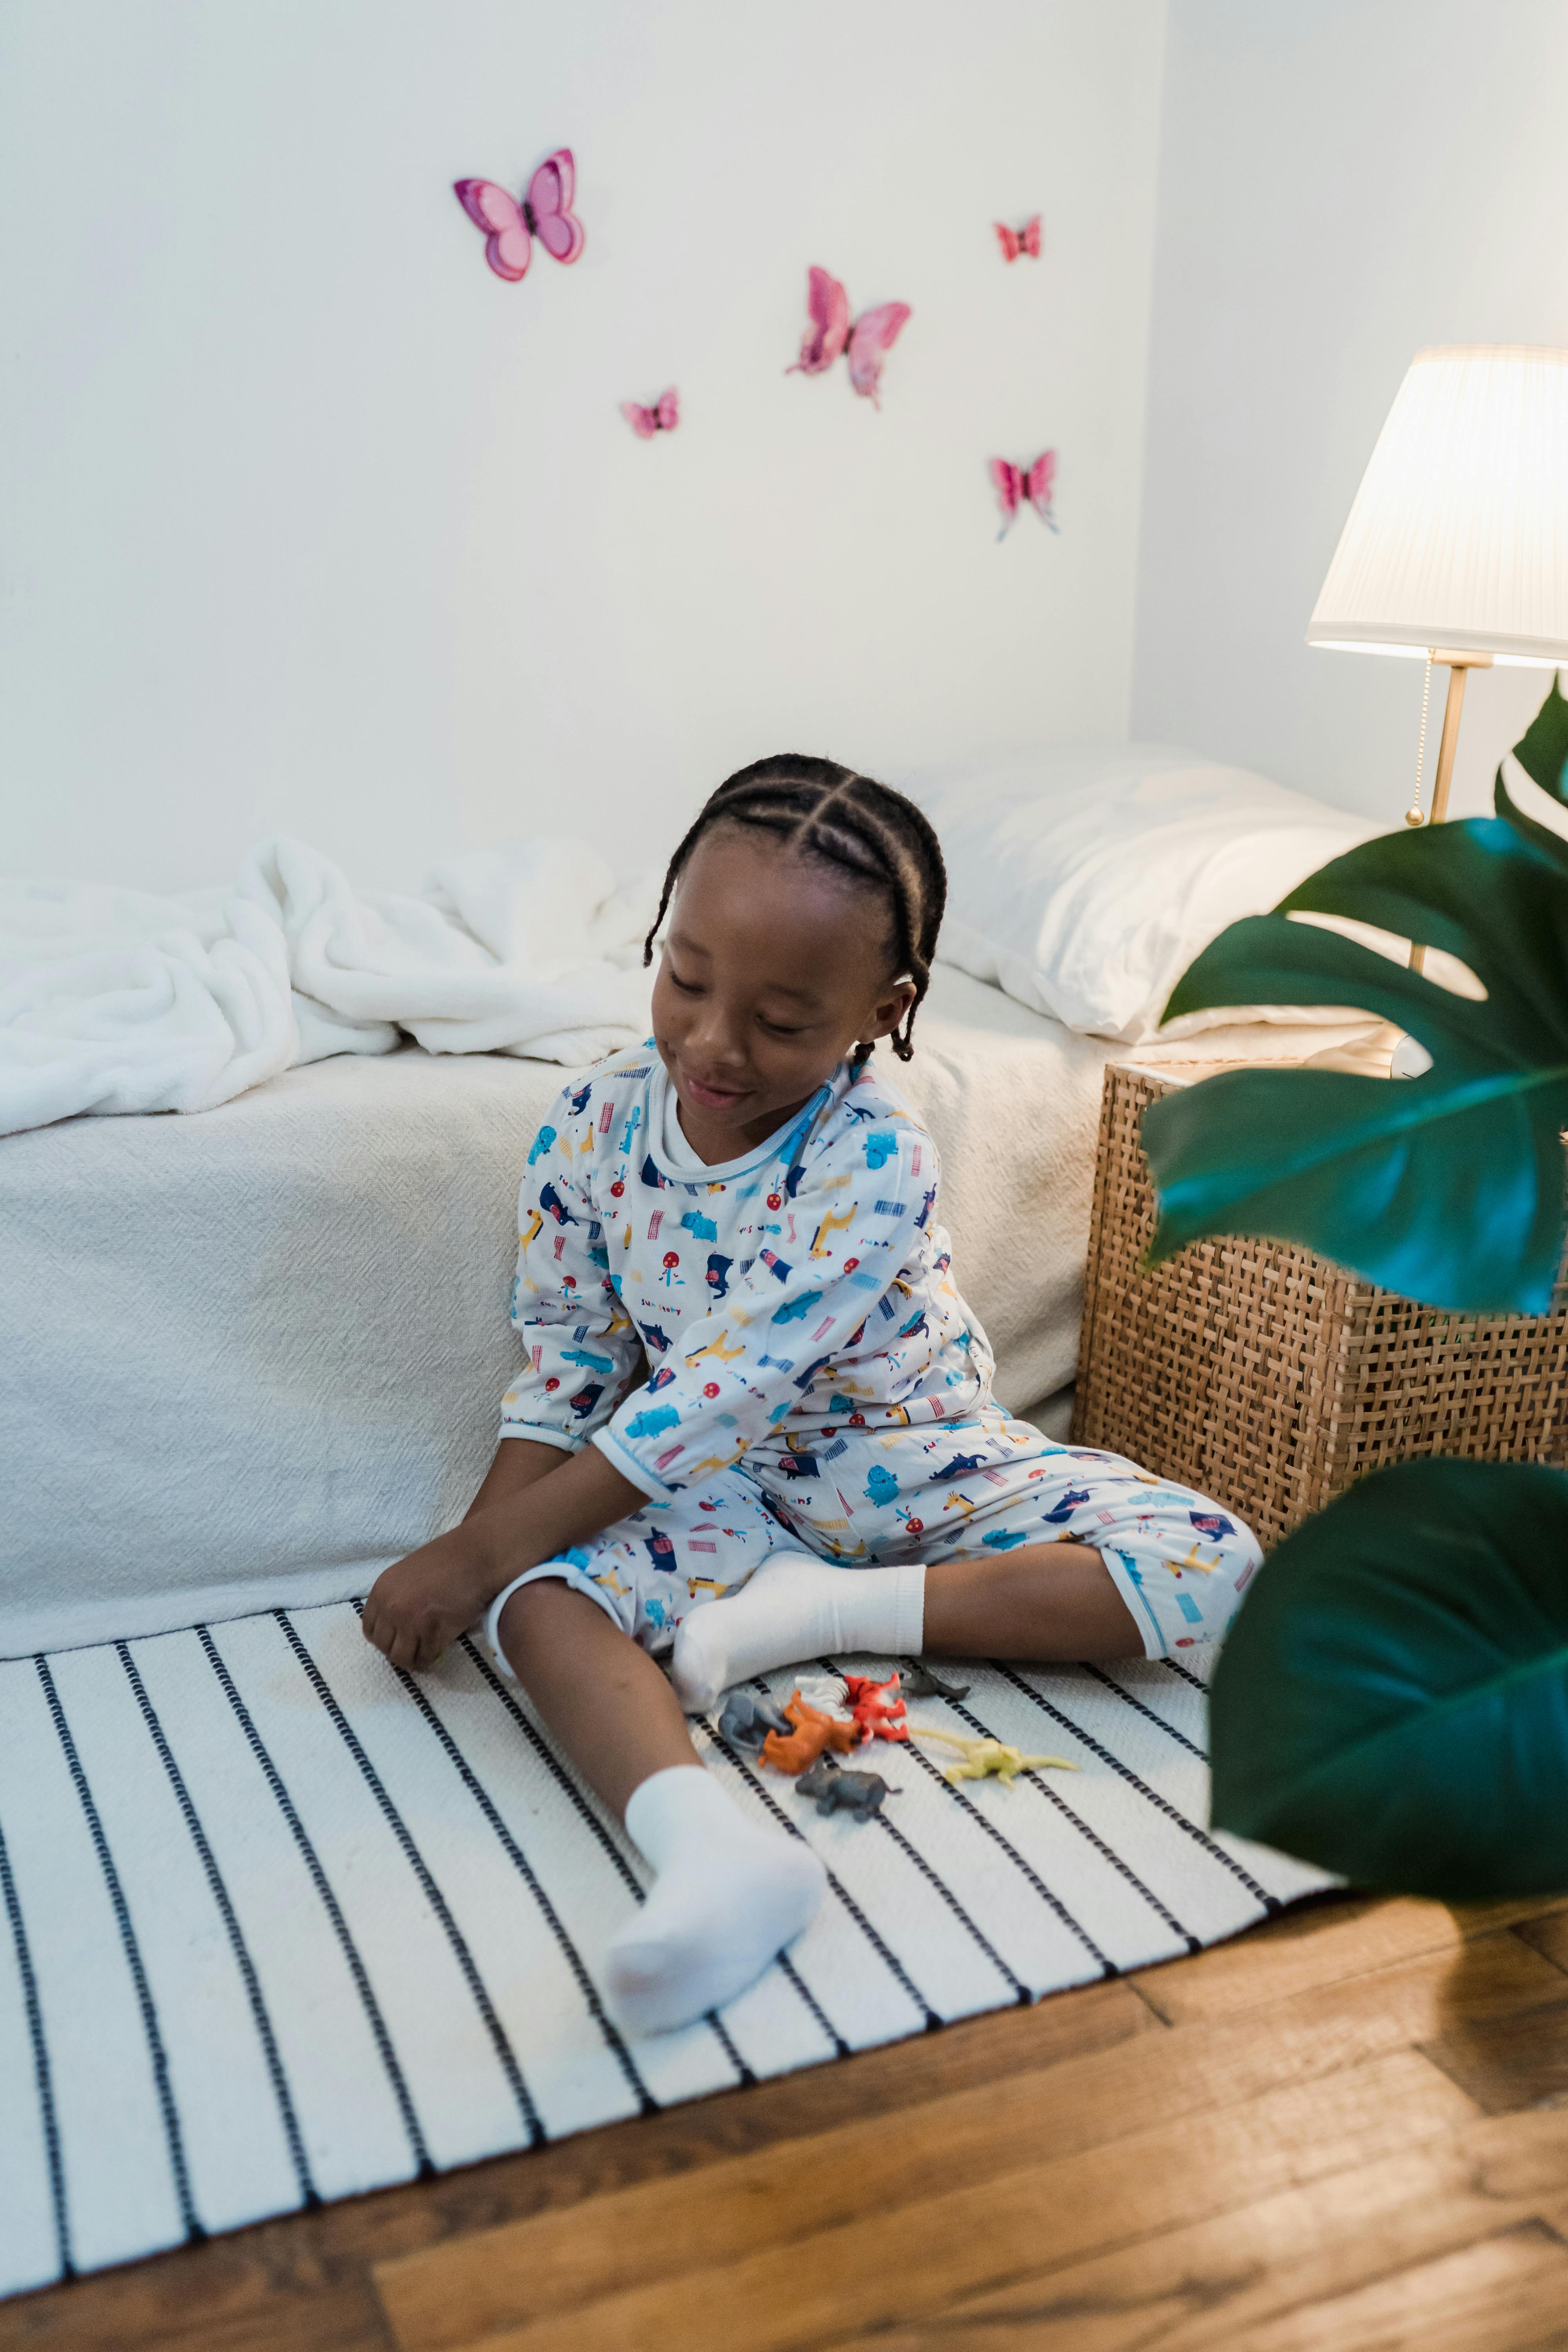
(773,1350)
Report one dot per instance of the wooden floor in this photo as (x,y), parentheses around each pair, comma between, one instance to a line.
(1346,2131)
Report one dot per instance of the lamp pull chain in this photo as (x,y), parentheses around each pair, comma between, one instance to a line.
(1414,815)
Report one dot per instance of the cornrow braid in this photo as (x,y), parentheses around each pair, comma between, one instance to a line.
(864,828)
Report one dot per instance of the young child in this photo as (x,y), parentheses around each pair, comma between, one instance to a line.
(755,1424)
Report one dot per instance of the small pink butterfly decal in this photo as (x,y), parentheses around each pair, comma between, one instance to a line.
(662,417)
(1014,241)
(1015,484)
(510,227)
(868,341)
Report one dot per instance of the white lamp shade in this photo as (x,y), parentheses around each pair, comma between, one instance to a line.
(1459,535)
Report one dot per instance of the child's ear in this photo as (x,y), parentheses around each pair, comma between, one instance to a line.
(890,1010)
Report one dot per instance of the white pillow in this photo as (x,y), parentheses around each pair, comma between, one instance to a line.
(1084,880)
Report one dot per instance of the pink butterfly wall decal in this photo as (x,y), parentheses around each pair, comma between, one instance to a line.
(510,227)
(1016,485)
(1014,241)
(662,417)
(868,343)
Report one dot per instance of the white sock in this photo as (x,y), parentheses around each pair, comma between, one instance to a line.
(794,1607)
(727,1896)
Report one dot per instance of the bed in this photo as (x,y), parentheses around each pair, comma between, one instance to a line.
(249,1356)
(258,1353)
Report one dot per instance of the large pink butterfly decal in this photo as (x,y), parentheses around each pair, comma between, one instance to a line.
(1014,241)
(662,417)
(872,336)
(510,227)
(1014,485)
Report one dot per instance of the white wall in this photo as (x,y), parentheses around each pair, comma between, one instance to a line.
(1340,183)
(311,523)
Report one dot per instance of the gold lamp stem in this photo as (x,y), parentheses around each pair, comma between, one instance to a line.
(1460,665)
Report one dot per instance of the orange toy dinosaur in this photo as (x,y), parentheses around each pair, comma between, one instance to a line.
(878,1708)
(814,1732)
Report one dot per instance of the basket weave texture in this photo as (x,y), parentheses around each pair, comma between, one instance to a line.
(1269,1378)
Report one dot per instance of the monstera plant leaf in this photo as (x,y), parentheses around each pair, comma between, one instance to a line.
(1392,1702)
(1542,750)
(1450,1187)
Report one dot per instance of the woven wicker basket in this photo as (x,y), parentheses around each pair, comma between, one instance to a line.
(1267,1377)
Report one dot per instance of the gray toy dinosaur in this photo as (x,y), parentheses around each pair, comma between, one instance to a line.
(747,1721)
(920,1681)
(835,1791)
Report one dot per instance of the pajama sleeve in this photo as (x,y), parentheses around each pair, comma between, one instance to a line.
(735,1373)
(582,1353)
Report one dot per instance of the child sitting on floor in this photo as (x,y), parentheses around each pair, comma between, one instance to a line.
(751,1379)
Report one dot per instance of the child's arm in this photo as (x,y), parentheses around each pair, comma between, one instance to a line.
(535,1501)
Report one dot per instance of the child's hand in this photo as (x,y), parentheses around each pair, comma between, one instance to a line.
(533,1503)
(418,1606)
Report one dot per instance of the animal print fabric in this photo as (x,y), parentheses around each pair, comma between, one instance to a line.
(816,1380)
(973,1488)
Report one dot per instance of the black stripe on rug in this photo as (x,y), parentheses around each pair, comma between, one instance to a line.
(1228,1861)
(1169,1728)
(1125,1869)
(132,1951)
(276,2073)
(890,1959)
(591,1820)
(1030,1875)
(648,2103)
(500,2041)
(945,1895)
(353,1960)
(41,2074)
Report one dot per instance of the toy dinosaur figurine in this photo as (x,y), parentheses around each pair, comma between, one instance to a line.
(986,1759)
(746,1721)
(835,1791)
(877,1708)
(813,1732)
(921,1681)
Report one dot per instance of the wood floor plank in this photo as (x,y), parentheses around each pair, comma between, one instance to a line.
(1192,2288)
(555,2260)
(241,2304)
(1316,1944)
(1548,1935)
(301,2282)
(1502,2294)
(1508,2062)
(923,2255)
(286,2267)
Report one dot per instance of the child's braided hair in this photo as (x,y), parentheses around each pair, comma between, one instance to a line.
(866,829)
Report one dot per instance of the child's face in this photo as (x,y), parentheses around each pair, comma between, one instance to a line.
(773,969)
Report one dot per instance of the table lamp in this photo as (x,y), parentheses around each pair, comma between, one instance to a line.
(1456,544)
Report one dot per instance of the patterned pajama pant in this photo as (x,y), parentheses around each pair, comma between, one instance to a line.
(868,1499)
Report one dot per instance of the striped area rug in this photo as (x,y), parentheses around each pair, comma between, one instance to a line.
(281,1925)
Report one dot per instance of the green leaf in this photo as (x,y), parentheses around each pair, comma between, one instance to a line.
(1542,750)
(1448,1188)
(1392,1702)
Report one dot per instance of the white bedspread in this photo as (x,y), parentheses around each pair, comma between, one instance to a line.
(246,1358)
(113,1001)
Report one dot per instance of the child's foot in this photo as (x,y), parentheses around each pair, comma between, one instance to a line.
(728,1896)
(794,1608)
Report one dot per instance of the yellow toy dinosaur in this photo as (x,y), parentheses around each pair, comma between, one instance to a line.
(986,1759)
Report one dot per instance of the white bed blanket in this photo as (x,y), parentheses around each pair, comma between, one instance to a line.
(113,1001)
(246,1358)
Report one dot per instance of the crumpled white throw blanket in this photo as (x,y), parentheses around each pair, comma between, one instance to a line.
(114,1001)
